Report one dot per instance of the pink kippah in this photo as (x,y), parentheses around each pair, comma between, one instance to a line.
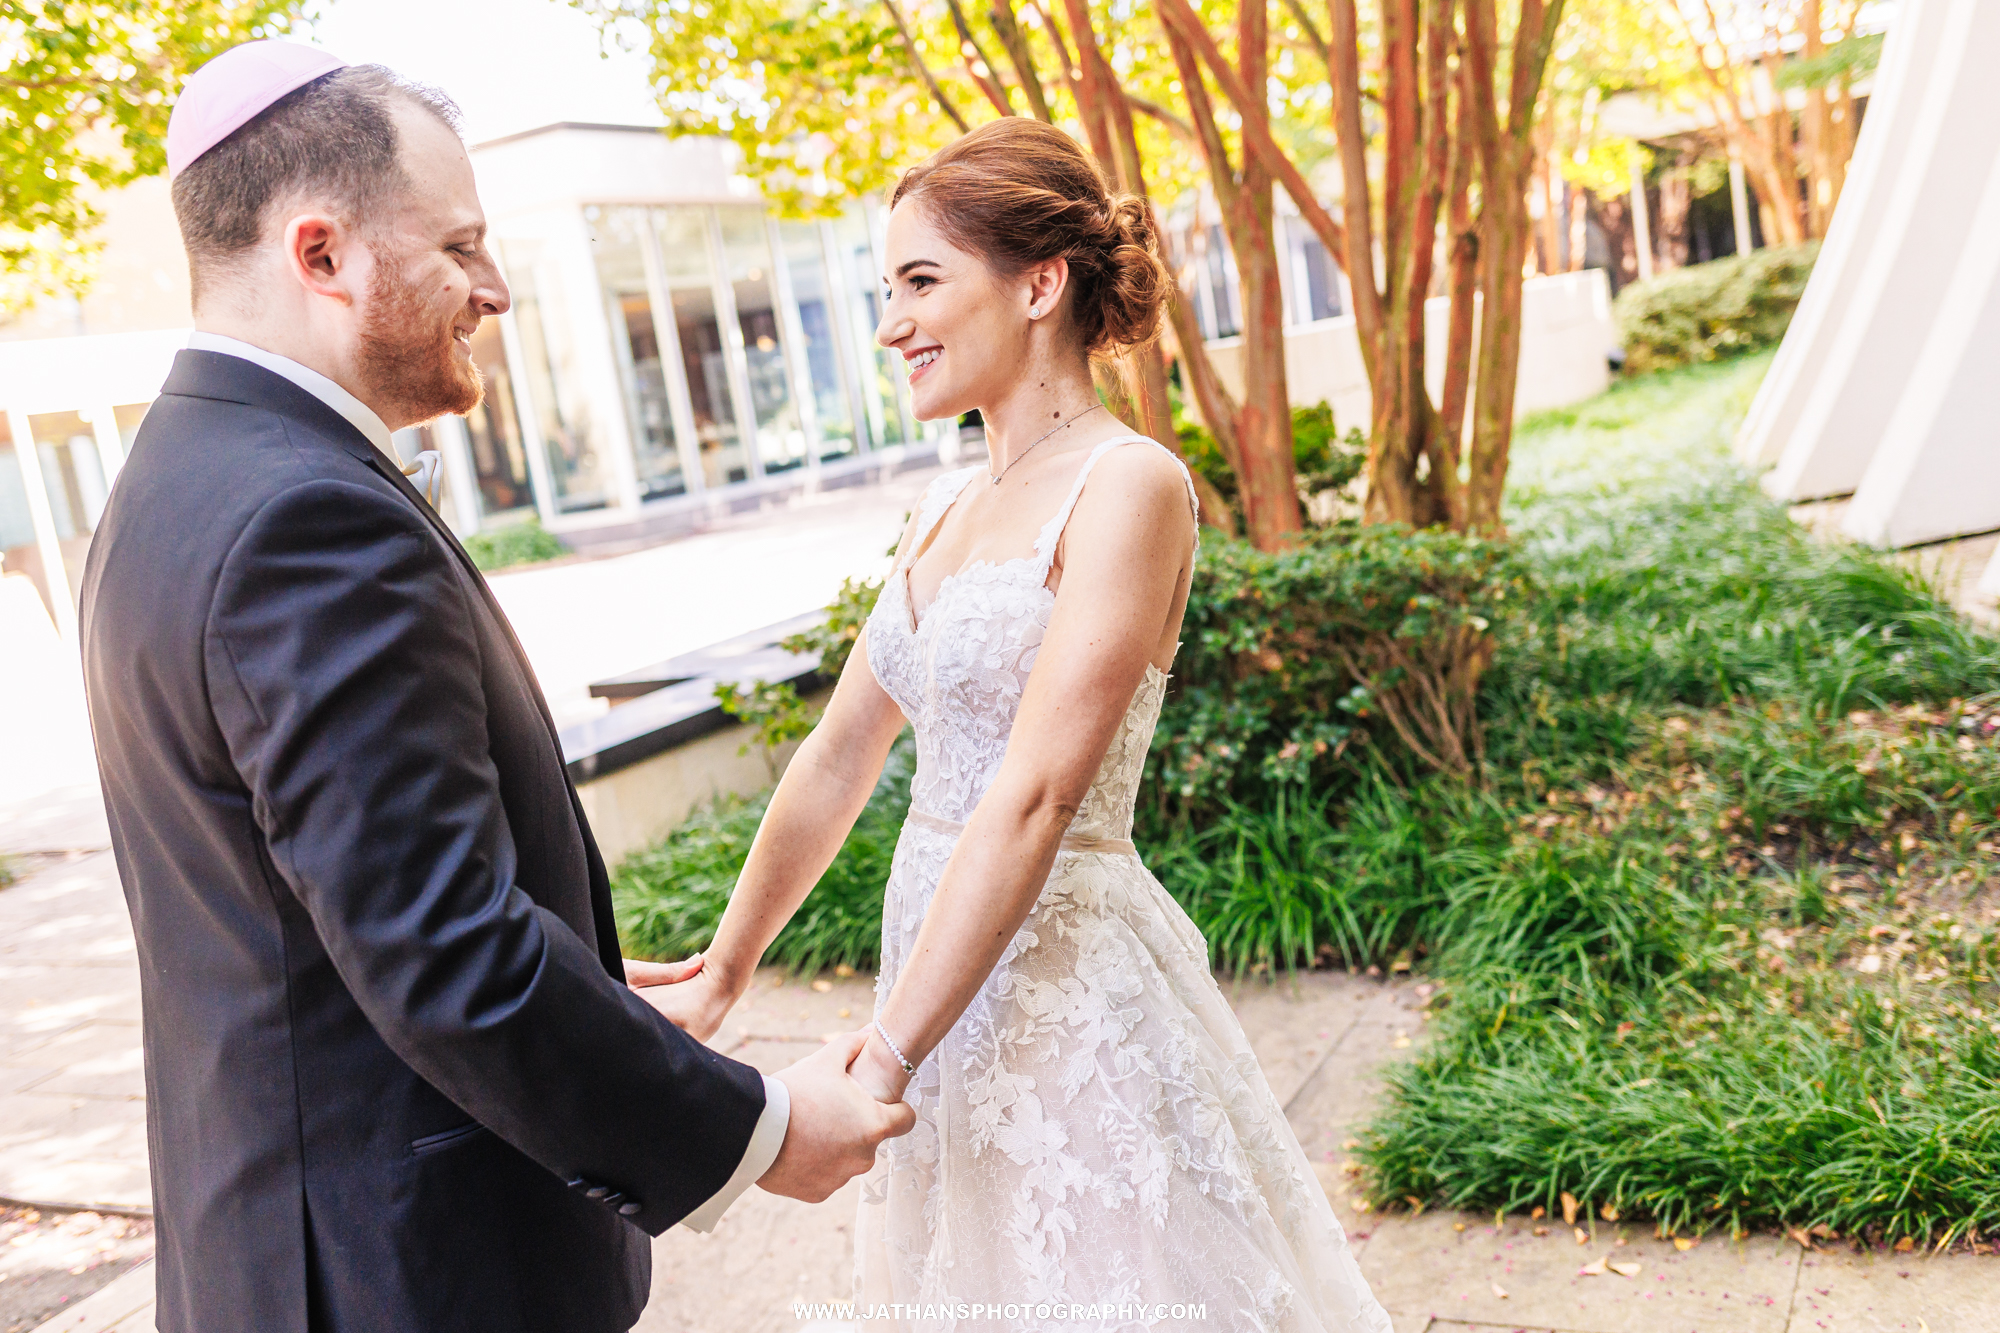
(225,93)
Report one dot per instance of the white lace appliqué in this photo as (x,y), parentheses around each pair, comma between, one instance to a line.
(1094,1132)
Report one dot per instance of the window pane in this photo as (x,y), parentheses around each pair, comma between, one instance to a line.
(683,240)
(128,417)
(569,432)
(880,366)
(493,432)
(621,272)
(806,266)
(746,248)
(18,552)
(71,471)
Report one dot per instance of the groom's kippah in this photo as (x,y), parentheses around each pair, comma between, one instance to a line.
(222,96)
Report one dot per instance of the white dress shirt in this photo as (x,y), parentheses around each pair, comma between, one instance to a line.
(769,1134)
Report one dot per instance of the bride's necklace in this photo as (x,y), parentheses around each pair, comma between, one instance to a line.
(1045,435)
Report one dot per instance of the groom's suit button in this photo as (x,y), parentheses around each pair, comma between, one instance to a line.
(597,1191)
(629,1207)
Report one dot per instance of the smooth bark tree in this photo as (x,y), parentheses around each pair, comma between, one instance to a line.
(1450,124)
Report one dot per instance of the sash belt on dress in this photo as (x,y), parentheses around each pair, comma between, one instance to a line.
(1071,842)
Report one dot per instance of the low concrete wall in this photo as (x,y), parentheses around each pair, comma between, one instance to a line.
(636,806)
(1566,334)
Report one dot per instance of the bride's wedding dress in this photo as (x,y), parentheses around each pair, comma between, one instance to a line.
(1095,1143)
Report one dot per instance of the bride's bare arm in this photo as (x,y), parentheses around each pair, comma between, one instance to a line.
(817,801)
(1128,552)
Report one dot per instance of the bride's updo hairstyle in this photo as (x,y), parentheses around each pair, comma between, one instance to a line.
(1017,193)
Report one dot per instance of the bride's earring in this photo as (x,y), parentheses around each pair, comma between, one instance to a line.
(1034,312)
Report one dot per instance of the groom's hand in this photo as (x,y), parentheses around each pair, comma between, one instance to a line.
(835,1126)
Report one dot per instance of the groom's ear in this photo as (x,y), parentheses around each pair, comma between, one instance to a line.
(321,253)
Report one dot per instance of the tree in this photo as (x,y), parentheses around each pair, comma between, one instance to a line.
(88,87)
(1743,73)
(1446,129)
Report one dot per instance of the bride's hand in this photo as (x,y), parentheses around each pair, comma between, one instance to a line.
(690,996)
(877,1071)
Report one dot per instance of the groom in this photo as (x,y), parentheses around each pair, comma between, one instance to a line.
(395,1082)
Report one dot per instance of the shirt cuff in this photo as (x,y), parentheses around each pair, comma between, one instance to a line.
(765,1140)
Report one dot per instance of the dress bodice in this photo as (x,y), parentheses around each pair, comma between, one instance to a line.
(959,673)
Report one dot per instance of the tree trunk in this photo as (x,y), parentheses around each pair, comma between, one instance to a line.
(1261,424)
(1143,370)
(1505,160)
(1269,488)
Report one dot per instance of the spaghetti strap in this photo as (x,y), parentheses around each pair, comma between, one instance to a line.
(1045,545)
(938,498)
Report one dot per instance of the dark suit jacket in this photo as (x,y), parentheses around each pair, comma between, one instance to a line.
(388,1055)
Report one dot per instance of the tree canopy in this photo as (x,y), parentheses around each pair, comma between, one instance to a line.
(84,99)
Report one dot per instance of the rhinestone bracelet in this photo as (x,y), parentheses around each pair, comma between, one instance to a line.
(883,1033)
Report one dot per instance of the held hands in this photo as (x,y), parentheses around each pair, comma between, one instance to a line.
(688,994)
(877,1070)
(836,1123)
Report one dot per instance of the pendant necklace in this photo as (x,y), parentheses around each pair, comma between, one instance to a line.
(1045,435)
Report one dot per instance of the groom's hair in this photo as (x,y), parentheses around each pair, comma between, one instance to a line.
(331,141)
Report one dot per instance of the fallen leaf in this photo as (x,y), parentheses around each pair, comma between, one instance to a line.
(1536,1215)
(843,970)
(1350,1143)
(1541,1231)
(1799,1235)
(1630,1268)
(1416,1205)
(1595,1268)
(1400,1043)
(1361,1205)
(1582,1236)
(1499,1291)
(1458,1226)
(1608,1213)
(1686,1243)
(1569,1207)
(822,985)
(845,1013)
(1905,1245)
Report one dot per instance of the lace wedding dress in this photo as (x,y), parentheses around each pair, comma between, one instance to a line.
(1095,1143)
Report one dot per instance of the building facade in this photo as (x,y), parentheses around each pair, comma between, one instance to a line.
(673,352)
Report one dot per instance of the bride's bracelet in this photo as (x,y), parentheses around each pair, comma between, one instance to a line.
(894,1050)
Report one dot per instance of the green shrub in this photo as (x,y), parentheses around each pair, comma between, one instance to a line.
(834,638)
(1706,311)
(670,897)
(1359,633)
(523,543)
(1322,458)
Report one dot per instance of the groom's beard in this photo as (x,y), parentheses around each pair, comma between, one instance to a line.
(408,355)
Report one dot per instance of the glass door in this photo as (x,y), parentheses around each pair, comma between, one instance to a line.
(493,434)
(825,360)
(752,289)
(617,242)
(683,242)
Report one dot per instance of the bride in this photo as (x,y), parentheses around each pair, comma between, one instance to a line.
(1095,1145)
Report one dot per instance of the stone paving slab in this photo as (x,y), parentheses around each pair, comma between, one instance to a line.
(123,1306)
(1447,1267)
(72,1080)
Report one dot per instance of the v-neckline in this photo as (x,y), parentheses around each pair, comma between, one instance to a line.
(910,600)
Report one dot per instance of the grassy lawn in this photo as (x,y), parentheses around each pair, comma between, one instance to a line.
(1717,946)
(1714,939)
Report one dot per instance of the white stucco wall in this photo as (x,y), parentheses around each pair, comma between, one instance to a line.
(1566,336)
